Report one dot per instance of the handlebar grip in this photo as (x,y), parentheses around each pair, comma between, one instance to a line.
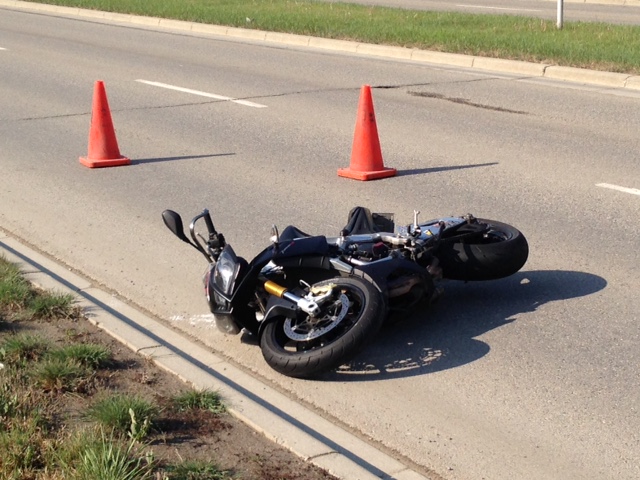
(208,222)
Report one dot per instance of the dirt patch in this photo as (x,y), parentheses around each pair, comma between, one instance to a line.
(193,435)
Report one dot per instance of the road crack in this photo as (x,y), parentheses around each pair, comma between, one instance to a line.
(464,101)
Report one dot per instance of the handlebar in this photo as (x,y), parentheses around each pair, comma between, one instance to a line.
(212,246)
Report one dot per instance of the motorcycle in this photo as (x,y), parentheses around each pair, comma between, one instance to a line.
(314,301)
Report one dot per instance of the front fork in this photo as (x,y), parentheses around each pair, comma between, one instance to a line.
(310,303)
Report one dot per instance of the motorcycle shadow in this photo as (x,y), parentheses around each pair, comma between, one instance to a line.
(442,336)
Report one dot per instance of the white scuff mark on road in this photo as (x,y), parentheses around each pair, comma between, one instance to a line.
(632,191)
(500,8)
(194,319)
(246,103)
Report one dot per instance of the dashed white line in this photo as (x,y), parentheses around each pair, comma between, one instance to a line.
(2,48)
(246,103)
(632,191)
(500,8)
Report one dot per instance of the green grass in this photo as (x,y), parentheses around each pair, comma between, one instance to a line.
(21,348)
(202,399)
(60,375)
(87,354)
(23,425)
(21,448)
(36,377)
(196,471)
(580,44)
(109,458)
(14,289)
(26,302)
(124,414)
(53,369)
(20,403)
(52,305)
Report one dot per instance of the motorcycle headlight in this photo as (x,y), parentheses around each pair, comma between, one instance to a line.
(226,271)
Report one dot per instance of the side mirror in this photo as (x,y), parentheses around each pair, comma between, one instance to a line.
(173,221)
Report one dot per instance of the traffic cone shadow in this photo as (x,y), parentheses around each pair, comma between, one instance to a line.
(366,156)
(103,145)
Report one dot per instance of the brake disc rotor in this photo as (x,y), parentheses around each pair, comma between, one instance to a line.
(310,328)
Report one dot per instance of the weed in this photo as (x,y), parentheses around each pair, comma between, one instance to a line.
(87,354)
(14,289)
(26,302)
(67,451)
(125,414)
(22,348)
(109,457)
(60,375)
(21,446)
(192,470)
(51,305)
(201,399)
(18,402)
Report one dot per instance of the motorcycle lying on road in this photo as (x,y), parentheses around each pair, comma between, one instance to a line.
(313,302)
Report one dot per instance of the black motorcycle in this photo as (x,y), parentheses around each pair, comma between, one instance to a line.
(314,301)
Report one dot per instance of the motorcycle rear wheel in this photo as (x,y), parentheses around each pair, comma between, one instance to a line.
(498,253)
(306,346)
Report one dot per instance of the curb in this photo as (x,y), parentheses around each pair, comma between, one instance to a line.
(529,70)
(299,429)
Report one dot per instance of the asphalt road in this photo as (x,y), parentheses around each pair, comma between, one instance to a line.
(534,376)
(605,11)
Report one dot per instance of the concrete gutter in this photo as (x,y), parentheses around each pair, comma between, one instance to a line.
(284,421)
(530,70)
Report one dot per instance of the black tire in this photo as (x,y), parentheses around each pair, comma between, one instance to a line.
(333,340)
(498,253)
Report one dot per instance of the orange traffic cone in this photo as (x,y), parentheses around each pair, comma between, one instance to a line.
(103,146)
(366,157)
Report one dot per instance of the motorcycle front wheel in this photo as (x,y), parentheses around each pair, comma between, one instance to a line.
(306,346)
(496,252)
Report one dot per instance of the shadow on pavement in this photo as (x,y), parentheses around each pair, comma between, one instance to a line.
(418,171)
(141,161)
(443,336)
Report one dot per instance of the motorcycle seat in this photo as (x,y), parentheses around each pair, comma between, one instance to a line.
(290,233)
(294,242)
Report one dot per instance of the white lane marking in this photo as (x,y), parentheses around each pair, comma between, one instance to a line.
(2,48)
(500,8)
(246,103)
(632,191)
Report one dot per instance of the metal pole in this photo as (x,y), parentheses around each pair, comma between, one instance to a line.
(560,14)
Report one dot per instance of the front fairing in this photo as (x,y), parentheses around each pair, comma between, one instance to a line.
(222,276)
(221,280)
(231,283)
